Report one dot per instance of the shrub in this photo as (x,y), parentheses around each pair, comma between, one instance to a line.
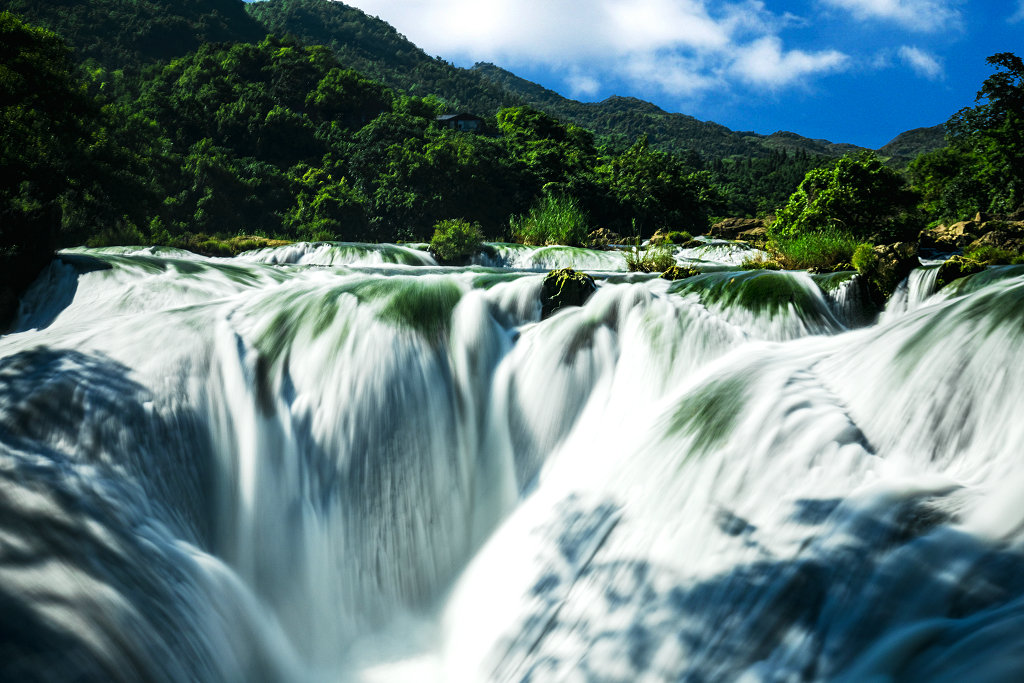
(826,250)
(992,254)
(761,262)
(656,258)
(553,219)
(455,239)
(679,237)
(859,197)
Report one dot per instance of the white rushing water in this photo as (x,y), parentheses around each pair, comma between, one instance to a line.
(345,463)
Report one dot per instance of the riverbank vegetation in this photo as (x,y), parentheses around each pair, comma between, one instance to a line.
(273,139)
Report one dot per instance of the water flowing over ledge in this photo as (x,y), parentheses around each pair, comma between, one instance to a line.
(338,462)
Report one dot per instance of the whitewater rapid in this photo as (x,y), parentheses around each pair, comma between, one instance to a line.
(341,462)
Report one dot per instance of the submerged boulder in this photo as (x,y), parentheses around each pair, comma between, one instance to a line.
(565,287)
(956,268)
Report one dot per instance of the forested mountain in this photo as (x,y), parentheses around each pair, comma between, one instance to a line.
(169,122)
(124,35)
(375,49)
(914,143)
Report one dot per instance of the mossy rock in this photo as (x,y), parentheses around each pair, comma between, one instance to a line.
(565,287)
(956,268)
(679,272)
(884,266)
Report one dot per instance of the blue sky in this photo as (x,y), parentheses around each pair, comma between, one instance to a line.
(857,71)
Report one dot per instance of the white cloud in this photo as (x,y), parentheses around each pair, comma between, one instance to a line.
(1019,14)
(765,62)
(924,64)
(679,47)
(582,84)
(917,15)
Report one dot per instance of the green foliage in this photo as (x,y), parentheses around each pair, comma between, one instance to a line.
(864,258)
(654,258)
(992,255)
(983,167)
(651,190)
(326,209)
(64,168)
(818,251)
(455,239)
(679,237)
(858,197)
(553,219)
(118,34)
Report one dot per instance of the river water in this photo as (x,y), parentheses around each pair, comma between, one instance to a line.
(338,462)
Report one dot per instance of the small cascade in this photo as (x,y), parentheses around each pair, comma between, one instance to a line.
(521,257)
(340,254)
(912,292)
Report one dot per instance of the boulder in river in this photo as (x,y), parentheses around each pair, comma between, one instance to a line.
(565,287)
(885,266)
(956,268)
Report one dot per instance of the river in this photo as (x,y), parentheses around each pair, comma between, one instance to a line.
(341,462)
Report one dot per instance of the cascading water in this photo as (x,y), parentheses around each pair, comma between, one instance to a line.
(346,463)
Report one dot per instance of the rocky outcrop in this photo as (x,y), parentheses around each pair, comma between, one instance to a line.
(952,237)
(983,231)
(885,266)
(730,228)
(956,268)
(679,272)
(1004,236)
(603,238)
(757,237)
(563,288)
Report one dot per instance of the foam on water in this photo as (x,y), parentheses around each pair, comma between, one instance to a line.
(264,469)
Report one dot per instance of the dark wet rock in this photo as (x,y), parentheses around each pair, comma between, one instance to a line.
(730,228)
(565,287)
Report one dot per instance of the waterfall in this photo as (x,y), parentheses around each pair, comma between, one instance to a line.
(336,462)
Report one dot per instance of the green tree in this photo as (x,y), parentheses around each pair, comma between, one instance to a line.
(63,167)
(859,197)
(327,209)
(653,190)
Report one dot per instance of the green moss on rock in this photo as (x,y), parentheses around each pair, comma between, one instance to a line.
(565,287)
(956,268)
(679,272)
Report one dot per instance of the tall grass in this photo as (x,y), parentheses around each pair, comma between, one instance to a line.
(552,220)
(814,250)
(654,258)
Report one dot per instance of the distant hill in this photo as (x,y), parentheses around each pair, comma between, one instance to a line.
(909,145)
(376,49)
(125,35)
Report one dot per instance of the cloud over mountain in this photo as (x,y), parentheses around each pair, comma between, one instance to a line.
(678,47)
